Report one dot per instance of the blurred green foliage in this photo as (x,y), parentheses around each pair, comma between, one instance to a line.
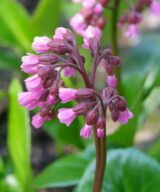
(128,169)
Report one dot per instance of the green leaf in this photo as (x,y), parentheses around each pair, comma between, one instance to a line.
(46,16)
(19,137)
(127,170)
(66,171)
(16,25)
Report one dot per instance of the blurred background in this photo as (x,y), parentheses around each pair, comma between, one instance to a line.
(20,21)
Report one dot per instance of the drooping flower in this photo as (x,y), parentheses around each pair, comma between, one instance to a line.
(40,44)
(29,63)
(33,83)
(67,94)
(29,99)
(124,116)
(38,120)
(66,115)
(86,131)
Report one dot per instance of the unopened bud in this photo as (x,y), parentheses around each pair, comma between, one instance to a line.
(92,117)
(43,112)
(51,113)
(101,123)
(134,18)
(48,58)
(82,108)
(59,46)
(114,60)
(121,104)
(45,71)
(85,93)
(115,115)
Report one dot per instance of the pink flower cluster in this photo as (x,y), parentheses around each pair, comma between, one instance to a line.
(90,14)
(45,88)
(133,17)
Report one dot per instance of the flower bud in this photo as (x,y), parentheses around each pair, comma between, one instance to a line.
(48,58)
(101,124)
(51,113)
(114,60)
(82,108)
(115,115)
(59,46)
(45,71)
(134,18)
(100,133)
(85,93)
(43,112)
(92,117)
(121,104)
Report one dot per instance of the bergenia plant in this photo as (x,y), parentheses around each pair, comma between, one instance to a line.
(60,55)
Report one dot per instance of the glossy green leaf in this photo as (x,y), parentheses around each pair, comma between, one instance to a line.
(46,16)
(19,137)
(64,172)
(16,26)
(127,171)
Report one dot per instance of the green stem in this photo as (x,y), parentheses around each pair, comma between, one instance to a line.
(114,37)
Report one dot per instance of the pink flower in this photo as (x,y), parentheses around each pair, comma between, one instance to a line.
(98,8)
(125,116)
(112,81)
(100,133)
(51,99)
(66,115)
(37,120)
(132,31)
(59,33)
(78,24)
(88,3)
(67,94)
(40,44)
(69,72)
(29,63)
(91,33)
(28,99)
(33,83)
(86,131)
(155,8)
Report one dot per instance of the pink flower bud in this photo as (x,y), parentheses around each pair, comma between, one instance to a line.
(132,31)
(28,99)
(98,8)
(66,115)
(91,33)
(125,116)
(33,83)
(86,131)
(37,121)
(50,99)
(69,71)
(40,44)
(100,133)
(77,22)
(112,81)
(85,93)
(155,8)
(29,63)
(92,117)
(67,94)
